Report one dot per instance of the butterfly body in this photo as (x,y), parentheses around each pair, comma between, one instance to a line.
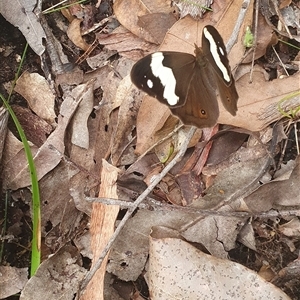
(187,83)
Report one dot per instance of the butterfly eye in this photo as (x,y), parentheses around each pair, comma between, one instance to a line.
(203,113)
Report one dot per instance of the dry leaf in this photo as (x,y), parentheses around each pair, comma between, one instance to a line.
(291,228)
(128,12)
(130,251)
(21,15)
(35,89)
(157,24)
(121,152)
(178,270)
(276,193)
(35,128)
(74,34)
(12,280)
(126,43)
(58,275)
(49,154)
(80,133)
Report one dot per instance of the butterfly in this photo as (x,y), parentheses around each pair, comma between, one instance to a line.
(187,83)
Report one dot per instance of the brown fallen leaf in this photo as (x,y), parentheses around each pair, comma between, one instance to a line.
(12,280)
(36,129)
(179,270)
(128,12)
(74,34)
(59,274)
(122,152)
(80,133)
(50,153)
(126,43)
(35,89)
(276,194)
(264,36)
(157,24)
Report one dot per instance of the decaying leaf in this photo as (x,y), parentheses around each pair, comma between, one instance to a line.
(180,271)
(22,16)
(35,89)
(58,275)
(128,11)
(12,280)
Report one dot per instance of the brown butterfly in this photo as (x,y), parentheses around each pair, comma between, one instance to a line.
(187,84)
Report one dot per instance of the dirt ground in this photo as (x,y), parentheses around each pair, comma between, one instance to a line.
(265,243)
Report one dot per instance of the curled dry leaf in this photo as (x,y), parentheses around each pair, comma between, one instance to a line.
(21,15)
(74,34)
(276,194)
(80,133)
(291,228)
(50,153)
(35,89)
(128,12)
(121,151)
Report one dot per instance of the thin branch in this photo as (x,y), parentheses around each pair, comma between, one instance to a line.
(137,202)
(255,39)
(158,206)
(235,33)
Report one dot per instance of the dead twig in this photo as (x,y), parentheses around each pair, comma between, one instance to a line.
(129,212)
(235,33)
(158,206)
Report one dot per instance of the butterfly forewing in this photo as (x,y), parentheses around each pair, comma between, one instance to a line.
(187,83)
(214,50)
(165,76)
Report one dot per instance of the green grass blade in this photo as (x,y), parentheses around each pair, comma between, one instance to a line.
(36,219)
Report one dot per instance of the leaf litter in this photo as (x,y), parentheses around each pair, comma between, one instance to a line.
(200,220)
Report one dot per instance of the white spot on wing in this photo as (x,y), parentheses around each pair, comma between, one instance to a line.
(215,54)
(149,83)
(221,50)
(165,76)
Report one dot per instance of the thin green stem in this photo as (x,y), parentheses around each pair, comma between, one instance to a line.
(36,219)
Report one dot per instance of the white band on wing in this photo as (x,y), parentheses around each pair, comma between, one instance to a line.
(166,77)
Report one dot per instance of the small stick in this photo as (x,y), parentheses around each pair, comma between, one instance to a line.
(255,39)
(137,202)
(235,33)
(159,206)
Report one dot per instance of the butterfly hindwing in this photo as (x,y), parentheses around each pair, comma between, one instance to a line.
(187,83)
(201,109)
(215,51)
